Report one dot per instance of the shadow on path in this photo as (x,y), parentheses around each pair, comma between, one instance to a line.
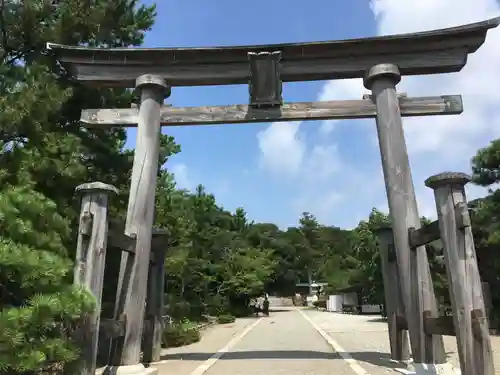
(377,320)
(255,354)
(374,358)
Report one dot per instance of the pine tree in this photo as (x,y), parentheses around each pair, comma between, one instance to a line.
(39,306)
(44,154)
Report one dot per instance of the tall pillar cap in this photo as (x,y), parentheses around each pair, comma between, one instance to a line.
(384,232)
(153,80)
(379,71)
(96,187)
(447,178)
(384,228)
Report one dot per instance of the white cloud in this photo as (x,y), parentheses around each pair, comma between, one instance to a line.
(285,153)
(450,135)
(435,144)
(443,143)
(317,195)
(339,90)
(180,172)
(282,148)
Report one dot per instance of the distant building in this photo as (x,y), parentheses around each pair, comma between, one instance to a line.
(309,289)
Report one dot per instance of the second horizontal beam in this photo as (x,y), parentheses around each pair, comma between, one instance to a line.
(237,114)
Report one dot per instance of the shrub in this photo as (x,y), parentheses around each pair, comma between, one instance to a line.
(217,305)
(179,334)
(240,311)
(177,308)
(225,319)
(320,304)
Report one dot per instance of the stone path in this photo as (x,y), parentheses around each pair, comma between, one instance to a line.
(290,342)
(284,343)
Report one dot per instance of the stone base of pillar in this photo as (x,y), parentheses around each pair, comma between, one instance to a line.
(429,369)
(406,363)
(127,370)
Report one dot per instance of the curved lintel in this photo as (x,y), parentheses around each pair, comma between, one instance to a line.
(430,52)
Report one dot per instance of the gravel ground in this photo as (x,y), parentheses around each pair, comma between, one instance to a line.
(366,338)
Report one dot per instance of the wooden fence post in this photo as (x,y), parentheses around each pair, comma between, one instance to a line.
(415,278)
(90,261)
(134,268)
(469,315)
(398,337)
(154,308)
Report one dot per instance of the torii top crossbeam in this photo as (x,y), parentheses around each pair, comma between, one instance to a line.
(431,52)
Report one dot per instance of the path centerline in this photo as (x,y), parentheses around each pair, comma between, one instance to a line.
(201,369)
(353,364)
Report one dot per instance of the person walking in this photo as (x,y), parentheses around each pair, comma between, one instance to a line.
(265,306)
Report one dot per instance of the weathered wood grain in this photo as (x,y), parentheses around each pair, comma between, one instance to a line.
(402,322)
(433,325)
(437,51)
(265,86)
(121,241)
(444,325)
(154,309)
(122,290)
(234,114)
(416,283)
(111,328)
(488,303)
(90,260)
(471,325)
(110,75)
(128,245)
(118,239)
(424,235)
(398,338)
(438,325)
(140,213)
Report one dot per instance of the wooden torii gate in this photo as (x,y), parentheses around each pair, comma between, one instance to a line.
(380,61)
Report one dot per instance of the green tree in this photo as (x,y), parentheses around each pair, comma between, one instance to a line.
(312,245)
(44,155)
(485,216)
(39,306)
(41,114)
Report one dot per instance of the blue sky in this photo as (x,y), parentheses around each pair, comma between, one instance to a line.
(277,171)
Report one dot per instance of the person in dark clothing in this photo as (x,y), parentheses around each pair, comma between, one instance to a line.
(265,306)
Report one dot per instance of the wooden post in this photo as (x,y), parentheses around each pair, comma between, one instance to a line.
(90,261)
(488,305)
(139,224)
(416,283)
(469,315)
(398,338)
(154,308)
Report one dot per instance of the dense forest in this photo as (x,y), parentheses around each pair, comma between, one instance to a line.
(216,259)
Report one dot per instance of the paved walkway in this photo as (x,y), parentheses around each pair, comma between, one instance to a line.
(347,330)
(287,342)
(294,342)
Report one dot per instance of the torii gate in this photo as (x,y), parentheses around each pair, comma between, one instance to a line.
(381,61)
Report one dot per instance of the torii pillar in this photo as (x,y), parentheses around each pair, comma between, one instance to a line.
(139,224)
